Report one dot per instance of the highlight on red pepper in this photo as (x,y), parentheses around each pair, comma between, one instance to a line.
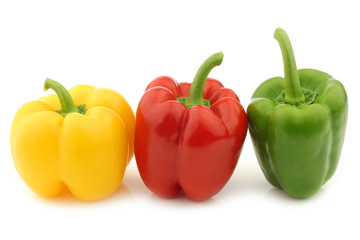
(189,137)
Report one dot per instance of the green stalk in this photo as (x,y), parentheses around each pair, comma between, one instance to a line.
(67,104)
(293,91)
(197,87)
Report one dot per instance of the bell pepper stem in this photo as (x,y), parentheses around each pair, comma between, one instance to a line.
(197,87)
(293,90)
(67,104)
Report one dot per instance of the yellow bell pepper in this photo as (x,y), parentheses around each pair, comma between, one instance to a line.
(81,140)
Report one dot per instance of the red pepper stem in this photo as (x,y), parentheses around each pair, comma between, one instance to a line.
(67,104)
(293,91)
(198,84)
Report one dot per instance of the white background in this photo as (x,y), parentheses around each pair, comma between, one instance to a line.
(124,46)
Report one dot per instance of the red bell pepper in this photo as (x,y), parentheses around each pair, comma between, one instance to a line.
(189,136)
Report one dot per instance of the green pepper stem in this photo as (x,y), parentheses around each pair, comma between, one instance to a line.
(198,84)
(293,91)
(67,104)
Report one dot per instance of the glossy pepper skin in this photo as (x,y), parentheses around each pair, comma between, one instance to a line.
(183,141)
(297,126)
(84,147)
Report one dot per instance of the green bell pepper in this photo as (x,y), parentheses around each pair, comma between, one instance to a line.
(297,125)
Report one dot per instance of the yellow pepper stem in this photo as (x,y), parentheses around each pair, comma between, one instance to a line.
(67,104)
